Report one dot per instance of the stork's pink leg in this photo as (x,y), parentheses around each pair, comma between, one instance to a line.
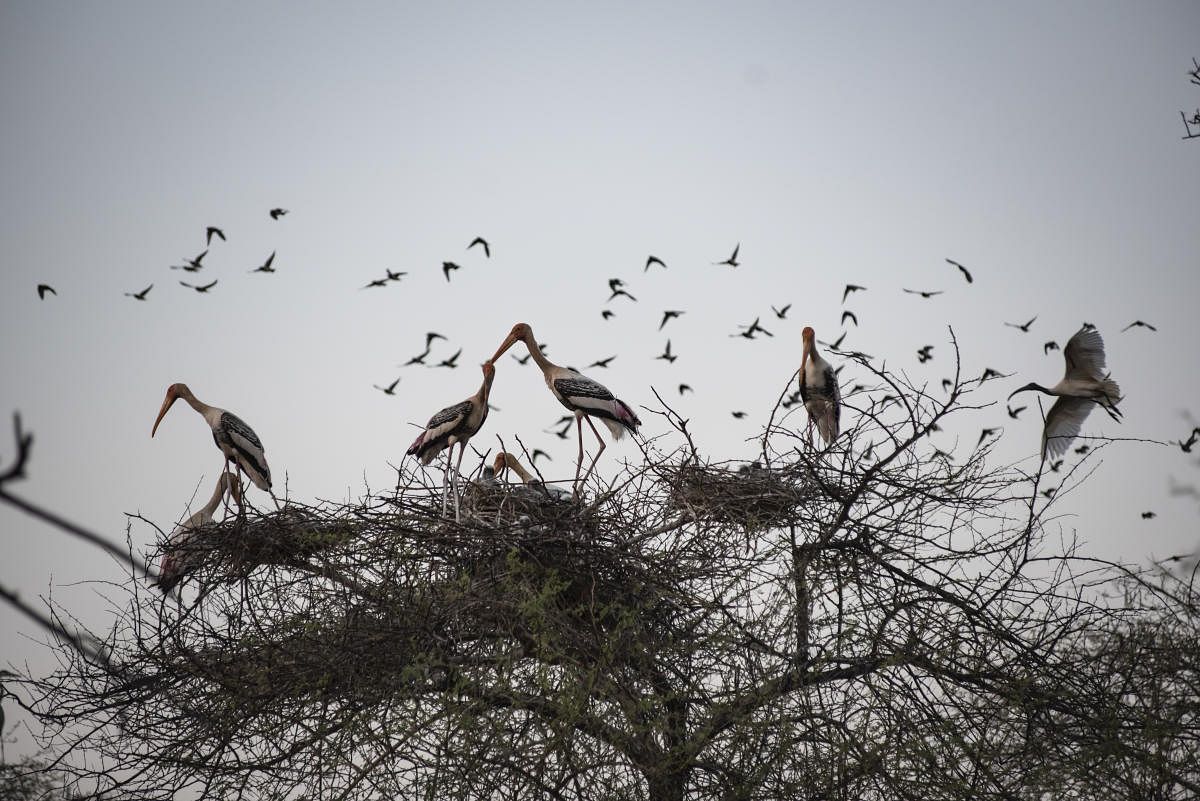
(595,458)
(579,463)
(462,447)
(446,480)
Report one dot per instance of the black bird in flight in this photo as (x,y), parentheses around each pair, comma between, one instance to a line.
(192,265)
(781,313)
(203,288)
(1014,412)
(925,354)
(851,288)
(685,388)
(836,344)
(966,274)
(451,362)
(924,294)
(1049,346)
(390,389)
(618,292)
(447,266)
(989,373)
(430,336)
(1148,515)
(1056,466)
(42,289)
(538,452)
(849,314)
(738,415)
(1023,328)
(140,295)
(987,432)
(654,260)
(479,240)
(266,267)
(946,384)
(732,260)
(1138,324)
(391,276)
(600,362)
(276,213)
(208,234)
(751,329)
(667,317)
(1186,447)
(614,283)
(377,282)
(605,313)
(418,359)
(1082,449)
(666,354)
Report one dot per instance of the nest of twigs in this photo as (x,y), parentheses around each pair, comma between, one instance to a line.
(751,496)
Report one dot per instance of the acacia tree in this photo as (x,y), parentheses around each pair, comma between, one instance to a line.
(875,619)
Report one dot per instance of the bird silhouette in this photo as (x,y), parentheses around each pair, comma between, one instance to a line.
(1056,466)
(738,415)
(601,362)
(390,389)
(191,265)
(750,330)
(1148,515)
(619,292)
(666,354)
(966,274)
(606,314)
(450,362)
(924,293)
(851,315)
(925,354)
(1023,328)
(1082,449)
(418,359)
(42,289)
(1049,346)
(377,282)
(447,266)
(203,288)
(539,453)
(614,283)
(210,231)
(851,288)
(1138,324)
(836,344)
(1014,412)
(391,276)
(1186,447)
(277,213)
(430,336)
(654,260)
(987,432)
(266,267)
(667,317)
(946,384)
(685,388)
(781,313)
(989,374)
(140,295)
(732,260)
(479,240)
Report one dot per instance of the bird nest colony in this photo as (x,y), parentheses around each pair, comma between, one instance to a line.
(752,496)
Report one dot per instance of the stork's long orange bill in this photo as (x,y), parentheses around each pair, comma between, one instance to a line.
(517,334)
(171,397)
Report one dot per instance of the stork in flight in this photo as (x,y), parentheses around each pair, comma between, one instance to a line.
(1085,385)
(454,425)
(174,564)
(581,395)
(236,440)
(819,390)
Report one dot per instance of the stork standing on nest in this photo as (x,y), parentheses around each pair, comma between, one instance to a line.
(581,395)
(454,425)
(506,461)
(819,390)
(173,566)
(236,440)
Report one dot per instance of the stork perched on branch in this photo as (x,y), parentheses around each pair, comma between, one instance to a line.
(236,440)
(506,461)
(174,565)
(581,395)
(819,390)
(1085,385)
(454,425)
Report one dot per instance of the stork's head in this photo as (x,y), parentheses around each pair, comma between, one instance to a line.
(174,392)
(500,464)
(520,332)
(806,336)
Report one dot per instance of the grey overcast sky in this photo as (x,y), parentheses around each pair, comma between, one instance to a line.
(1037,143)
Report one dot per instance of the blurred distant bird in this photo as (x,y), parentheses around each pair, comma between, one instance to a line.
(685,388)
(925,354)
(191,265)
(377,282)
(202,288)
(732,260)
(601,362)
(140,295)
(781,313)
(1049,346)
(1014,412)
(390,389)
(738,415)
(447,266)
(1085,385)
(1138,324)
(1056,466)
(452,361)
(614,283)
(208,234)
(819,390)
(837,343)
(966,274)
(1082,449)
(584,397)
(851,315)
(618,292)
(851,288)
(479,240)
(750,330)
(987,432)
(989,374)
(606,314)
(454,425)
(1023,328)
(1186,447)
(1148,515)
(666,354)
(42,289)
(667,317)
(430,336)
(394,276)
(924,294)
(946,384)
(266,267)
(654,260)
(277,213)
(537,453)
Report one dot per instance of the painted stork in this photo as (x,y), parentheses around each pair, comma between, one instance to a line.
(581,395)
(454,425)
(1085,385)
(506,461)
(819,390)
(236,440)
(174,564)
